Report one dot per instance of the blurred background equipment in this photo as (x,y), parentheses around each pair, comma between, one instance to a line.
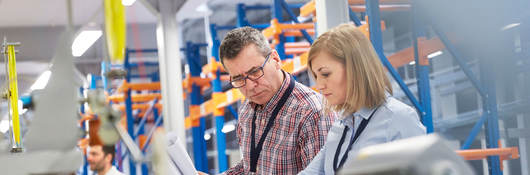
(152,65)
(413,156)
(11,94)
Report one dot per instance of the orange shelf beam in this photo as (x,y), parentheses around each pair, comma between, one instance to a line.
(85,117)
(359,6)
(138,86)
(477,154)
(299,26)
(425,47)
(276,28)
(296,65)
(229,97)
(296,51)
(136,97)
(199,81)
(213,66)
(298,32)
(141,107)
(308,9)
(297,44)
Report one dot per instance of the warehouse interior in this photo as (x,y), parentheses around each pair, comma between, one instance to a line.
(153,64)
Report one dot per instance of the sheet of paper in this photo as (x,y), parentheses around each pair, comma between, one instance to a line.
(179,158)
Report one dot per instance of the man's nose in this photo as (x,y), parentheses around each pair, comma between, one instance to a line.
(251,83)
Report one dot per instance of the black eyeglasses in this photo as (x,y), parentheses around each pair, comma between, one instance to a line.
(253,74)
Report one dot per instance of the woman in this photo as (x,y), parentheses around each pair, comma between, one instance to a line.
(350,75)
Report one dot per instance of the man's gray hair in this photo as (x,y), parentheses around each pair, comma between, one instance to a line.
(239,38)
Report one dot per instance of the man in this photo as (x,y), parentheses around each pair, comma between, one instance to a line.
(100,159)
(281,125)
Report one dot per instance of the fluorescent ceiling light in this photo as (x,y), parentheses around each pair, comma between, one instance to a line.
(127,2)
(434,54)
(509,26)
(41,81)
(84,40)
(4,126)
(207,136)
(227,128)
(202,8)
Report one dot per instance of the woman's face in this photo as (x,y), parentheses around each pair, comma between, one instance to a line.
(330,75)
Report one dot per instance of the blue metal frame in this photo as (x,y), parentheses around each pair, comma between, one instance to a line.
(142,50)
(219,120)
(276,12)
(105,67)
(486,88)
(474,131)
(422,74)
(158,122)
(295,19)
(372,9)
(233,111)
(128,111)
(488,93)
(257,7)
(83,126)
(128,103)
(353,17)
(489,108)
(260,26)
(143,121)
(241,16)
(223,27)
(458,58)
(192,53)
(151,63)
(242,21)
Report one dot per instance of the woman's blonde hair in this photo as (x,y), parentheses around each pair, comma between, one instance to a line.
(367,81)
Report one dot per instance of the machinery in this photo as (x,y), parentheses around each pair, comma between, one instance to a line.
(413,156)
(11,94)
(50,140)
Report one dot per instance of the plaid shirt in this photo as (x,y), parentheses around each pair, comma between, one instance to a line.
(297,135)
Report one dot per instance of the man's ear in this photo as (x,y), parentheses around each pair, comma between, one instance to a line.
(276,58)
(108,158)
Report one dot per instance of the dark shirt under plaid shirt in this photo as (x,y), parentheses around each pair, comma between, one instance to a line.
(298,133)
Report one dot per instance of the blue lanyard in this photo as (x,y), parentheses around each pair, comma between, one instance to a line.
(256,151)
(352,140)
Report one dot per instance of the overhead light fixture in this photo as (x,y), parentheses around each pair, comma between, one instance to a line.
(127,2)
(228,128)
(4,126)
(41,81)
(202,8)
(435,54)
(509,26)
(207,136)
(432,55)
(84,40)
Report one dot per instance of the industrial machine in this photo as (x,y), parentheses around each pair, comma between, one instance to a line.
(420,155)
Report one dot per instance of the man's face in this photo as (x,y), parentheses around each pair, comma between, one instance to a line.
(97,159)
(261,90)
